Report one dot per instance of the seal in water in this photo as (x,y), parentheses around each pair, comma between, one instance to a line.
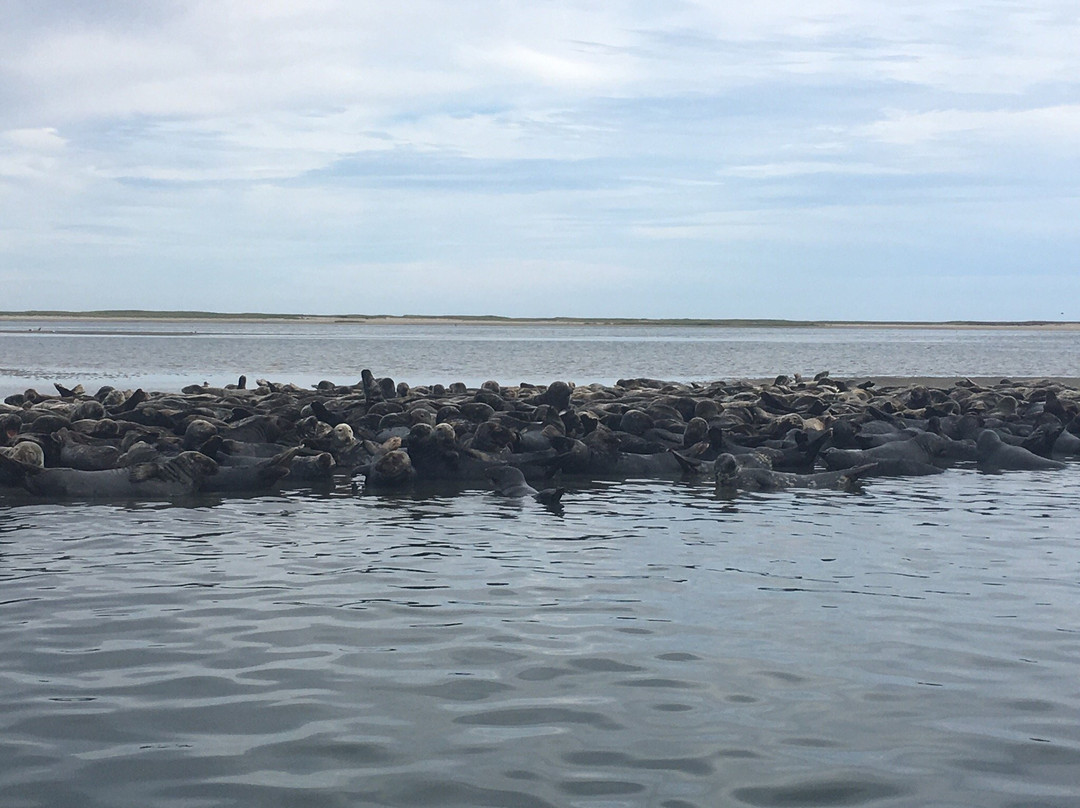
(732,475)
(176,477)
(510,482)
(996,455)
(391,469)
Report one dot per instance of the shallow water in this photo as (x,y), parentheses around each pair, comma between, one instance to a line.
(651,644)
(167,356)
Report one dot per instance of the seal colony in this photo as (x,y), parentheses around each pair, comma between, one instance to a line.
(526,440)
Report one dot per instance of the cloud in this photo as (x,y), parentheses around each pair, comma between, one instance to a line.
(43,139)
(29,153)
(1058,126)
(555,70)
(219,151)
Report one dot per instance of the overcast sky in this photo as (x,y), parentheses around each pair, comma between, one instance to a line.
(819,159)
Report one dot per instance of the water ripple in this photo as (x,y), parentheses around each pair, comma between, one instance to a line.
(653,645)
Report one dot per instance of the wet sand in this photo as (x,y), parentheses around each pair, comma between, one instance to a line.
(946,382)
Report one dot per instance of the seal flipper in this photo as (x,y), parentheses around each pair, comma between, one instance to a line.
(324,415)
(1042,439)
(687,464)
(132,401)
(549,496)
(850,478)
(812,446)
(141,472)
(212,447)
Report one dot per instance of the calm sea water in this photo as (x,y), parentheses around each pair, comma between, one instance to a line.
(653,645)
(167,356)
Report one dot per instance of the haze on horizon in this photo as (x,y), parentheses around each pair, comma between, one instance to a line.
(840,160)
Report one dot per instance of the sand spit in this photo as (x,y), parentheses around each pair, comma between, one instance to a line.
(493,320)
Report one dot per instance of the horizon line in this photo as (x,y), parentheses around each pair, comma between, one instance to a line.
(199,314)
(151,314)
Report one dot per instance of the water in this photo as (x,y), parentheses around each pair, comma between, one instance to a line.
(655,644)
(167,356)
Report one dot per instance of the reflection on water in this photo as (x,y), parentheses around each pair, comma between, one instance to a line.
(168,356)
(914,644)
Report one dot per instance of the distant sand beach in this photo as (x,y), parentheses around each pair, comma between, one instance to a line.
(491,319)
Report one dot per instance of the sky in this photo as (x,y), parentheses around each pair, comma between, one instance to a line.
(819,159)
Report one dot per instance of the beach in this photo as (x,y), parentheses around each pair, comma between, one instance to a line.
(493,320)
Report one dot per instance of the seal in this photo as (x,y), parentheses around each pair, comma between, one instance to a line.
(176,477)
(259,476)
(26,452)
(391,469)
(510,482)
(733,476)
(10,426)
(902,458)
(18,460)
(841,459)
(1067,445)
(779,434)
(318,466)
(79,452)
(996,455)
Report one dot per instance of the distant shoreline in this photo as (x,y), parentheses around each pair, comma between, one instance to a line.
(416,319)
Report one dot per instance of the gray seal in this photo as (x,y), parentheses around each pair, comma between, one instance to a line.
(509,481)
(259,476)
(390,469)
(731,475)
(996,455)
(176,477)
